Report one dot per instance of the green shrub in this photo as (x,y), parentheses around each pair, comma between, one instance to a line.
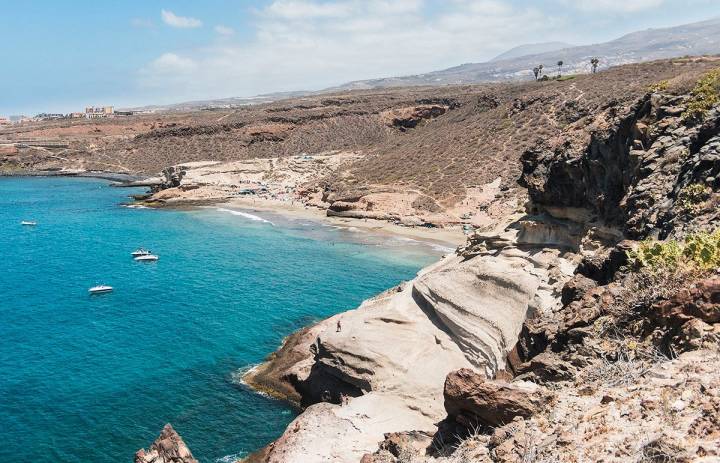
(698,251)
(661,86)
(693,196)
(703,249)
(705,95)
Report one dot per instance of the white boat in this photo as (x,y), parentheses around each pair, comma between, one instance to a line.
(99,289)
(141,252)
(147,258)
(29,223)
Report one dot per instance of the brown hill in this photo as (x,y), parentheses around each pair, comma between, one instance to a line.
(439,141)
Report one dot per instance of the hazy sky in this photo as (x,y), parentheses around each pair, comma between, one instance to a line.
(59,56)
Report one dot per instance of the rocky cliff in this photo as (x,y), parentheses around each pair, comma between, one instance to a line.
(556,334)
(543,340)
(626,368)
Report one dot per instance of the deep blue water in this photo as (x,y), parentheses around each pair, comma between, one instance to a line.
(94,378)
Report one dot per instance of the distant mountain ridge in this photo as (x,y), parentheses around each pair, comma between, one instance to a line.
(532,49)
(701,38)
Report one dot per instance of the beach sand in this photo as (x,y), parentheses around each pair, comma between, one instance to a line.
(449,237)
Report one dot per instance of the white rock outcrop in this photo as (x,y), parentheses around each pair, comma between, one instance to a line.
(396,349)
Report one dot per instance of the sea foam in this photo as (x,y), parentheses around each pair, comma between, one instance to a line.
(245,215)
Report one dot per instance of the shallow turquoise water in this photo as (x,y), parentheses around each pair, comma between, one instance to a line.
(94,378)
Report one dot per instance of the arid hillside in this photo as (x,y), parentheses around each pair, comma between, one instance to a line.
(439,141)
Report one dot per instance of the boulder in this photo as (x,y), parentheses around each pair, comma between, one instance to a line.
(472,399)
(399,445)
(576,288)
(546,367)
(700,301)
(481,304)
(168,448)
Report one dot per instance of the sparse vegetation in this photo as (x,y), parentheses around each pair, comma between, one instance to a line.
(594,63)
(537,70)
(691,198)
(705,95)
(699,251)
(661,86)
(480,138)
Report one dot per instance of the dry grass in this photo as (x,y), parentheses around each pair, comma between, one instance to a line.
(479,138)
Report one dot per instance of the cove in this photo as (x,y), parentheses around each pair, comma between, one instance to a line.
(94,378)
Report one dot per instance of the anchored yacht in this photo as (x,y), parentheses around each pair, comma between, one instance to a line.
(141,252)
(99,289)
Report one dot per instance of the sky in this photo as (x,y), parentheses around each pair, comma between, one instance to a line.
(60,56)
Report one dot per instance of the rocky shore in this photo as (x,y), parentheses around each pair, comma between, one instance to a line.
(580,319)
(538,341)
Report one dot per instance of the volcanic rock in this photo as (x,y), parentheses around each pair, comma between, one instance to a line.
(168,448)
(472,399)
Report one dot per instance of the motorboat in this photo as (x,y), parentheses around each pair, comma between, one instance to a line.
(141,252)
(146,258)
(28,223)
(99,289)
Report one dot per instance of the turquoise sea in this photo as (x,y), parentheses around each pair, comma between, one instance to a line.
(94,378)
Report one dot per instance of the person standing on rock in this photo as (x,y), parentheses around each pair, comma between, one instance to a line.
(339,326)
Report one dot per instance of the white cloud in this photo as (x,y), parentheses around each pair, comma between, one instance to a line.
(617,6)
(224,30)
(311,44)
(304,9)
(171,63)
(173,20)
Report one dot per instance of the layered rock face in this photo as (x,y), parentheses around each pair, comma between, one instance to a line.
(382,367)
(505,321)
(625,367)
(631,175)
(168,448)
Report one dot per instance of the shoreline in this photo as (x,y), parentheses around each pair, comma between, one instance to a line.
(111,176)
(448,237)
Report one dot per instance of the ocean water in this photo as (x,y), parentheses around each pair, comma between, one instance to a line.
(94,378)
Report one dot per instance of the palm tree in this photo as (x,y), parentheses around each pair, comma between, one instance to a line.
(560,65)
(594,63)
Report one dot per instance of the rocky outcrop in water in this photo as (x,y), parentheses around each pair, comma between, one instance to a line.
(168,448)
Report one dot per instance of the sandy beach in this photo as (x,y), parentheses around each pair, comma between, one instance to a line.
(441,236)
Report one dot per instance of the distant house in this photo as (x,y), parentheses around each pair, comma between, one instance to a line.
(124,113)
(76,115)
(4,121)
(49,116)
(93,112)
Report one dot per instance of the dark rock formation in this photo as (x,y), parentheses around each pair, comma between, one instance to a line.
(399,444)
(629,175)
(168,448)
(701,301)
(576,288)
(689,319)
(471,399)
